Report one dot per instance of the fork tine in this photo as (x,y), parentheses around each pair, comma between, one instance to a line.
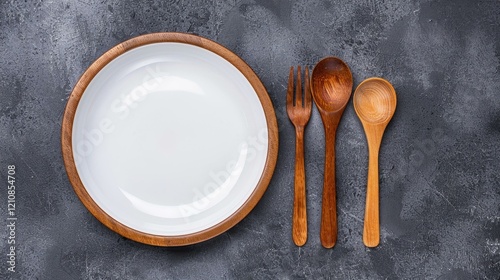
(289,94)
(307,91)
(298,88)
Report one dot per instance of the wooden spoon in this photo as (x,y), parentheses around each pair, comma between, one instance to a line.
(375,103)
(332,88)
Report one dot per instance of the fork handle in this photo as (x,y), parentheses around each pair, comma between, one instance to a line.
(299,225)
(328,231)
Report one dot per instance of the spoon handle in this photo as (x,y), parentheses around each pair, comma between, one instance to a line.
(371,230)
(328,232)
(299,226)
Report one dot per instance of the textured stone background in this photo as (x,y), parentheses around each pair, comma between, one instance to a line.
(440,159)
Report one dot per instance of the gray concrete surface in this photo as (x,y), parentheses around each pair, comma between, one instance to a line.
(440,159)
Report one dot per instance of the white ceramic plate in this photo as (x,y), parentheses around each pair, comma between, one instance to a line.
(170,139)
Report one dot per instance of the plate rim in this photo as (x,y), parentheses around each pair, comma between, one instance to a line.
(168,240)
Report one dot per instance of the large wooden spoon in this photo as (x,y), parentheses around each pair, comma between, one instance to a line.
(375,103)
(332,88)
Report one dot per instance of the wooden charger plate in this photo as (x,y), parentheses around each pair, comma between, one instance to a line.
(169,139)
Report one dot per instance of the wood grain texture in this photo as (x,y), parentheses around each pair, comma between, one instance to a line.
(299,113)
(375,104)
(158,240)
(332,88)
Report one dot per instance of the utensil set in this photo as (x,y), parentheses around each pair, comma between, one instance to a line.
(175,209)
(374,102)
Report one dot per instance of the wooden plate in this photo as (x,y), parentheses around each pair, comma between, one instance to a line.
(169,139)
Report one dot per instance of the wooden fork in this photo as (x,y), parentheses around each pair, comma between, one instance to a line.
(299,112)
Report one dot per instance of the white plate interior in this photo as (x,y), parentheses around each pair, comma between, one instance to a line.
(170,139)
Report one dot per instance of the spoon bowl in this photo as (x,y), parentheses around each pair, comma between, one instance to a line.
(332,84)
(375,101)
(375,104)
(332,88)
